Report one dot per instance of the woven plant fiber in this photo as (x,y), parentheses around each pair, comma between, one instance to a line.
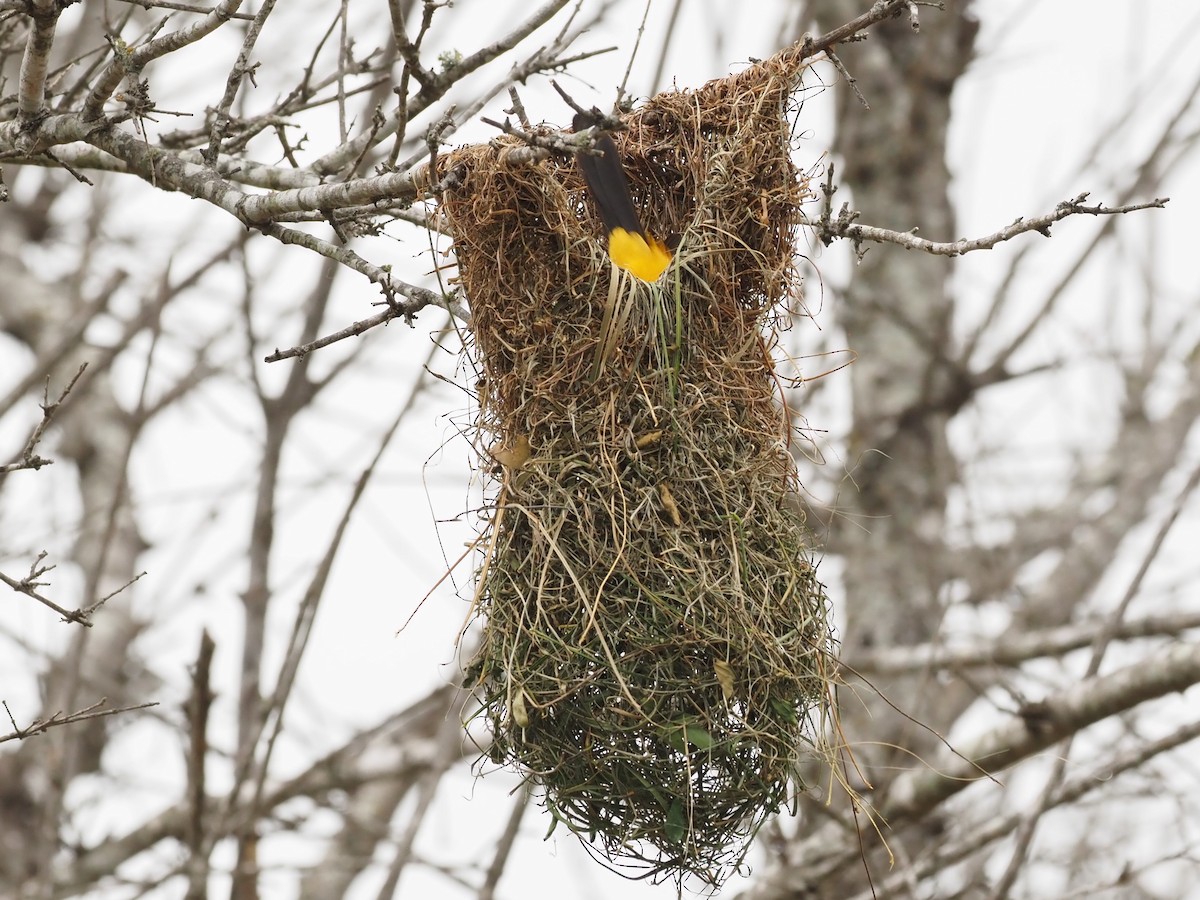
(656,653)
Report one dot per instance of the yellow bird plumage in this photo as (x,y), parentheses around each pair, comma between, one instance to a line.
(629,246)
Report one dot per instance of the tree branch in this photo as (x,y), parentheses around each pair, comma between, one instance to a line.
(844,225)
(31,89)
(994,828)
(1013,649)
(27,458)
(41,726)
(917,792)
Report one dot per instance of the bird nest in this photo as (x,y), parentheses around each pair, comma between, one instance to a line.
(656,653)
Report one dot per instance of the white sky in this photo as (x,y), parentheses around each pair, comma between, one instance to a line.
(1051,76)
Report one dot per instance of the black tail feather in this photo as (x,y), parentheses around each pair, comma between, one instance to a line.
(606,181)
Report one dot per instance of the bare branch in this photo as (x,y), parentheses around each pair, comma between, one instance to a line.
(433,88)
(41,726)
(1041,724)
(1015,649)
(879,11)
(450,738)
(419,297)
(359,327)
(240,70)
(487,890)
(131,62)
(960,845)
(1038,726)
(404,742)
(27,458)
(29,585)
(185,7)
(1028,825)
(199,706)
(845,226)
(36,61)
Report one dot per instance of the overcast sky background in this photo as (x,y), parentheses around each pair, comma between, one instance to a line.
(1052,77)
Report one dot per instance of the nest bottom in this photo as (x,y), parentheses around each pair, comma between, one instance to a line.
(656,653)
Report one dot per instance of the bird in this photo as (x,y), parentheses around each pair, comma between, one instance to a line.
(630,247)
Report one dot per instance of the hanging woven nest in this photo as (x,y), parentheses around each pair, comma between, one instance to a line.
(656,653)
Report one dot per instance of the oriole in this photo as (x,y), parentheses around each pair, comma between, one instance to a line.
(629,246)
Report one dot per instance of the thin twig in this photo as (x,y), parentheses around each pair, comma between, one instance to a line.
(29,585)
(393,311)
(1029,822)
(487,891)
(845,226)
(241,69)
(185,7)
(198,708)
(41,726)
(28,459)
(994,828)
(847,77)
